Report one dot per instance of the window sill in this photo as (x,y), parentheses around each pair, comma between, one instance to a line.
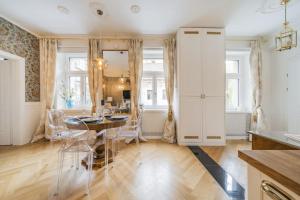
(238,112)
(155,110)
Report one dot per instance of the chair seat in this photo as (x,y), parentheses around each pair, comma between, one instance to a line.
(65,134)
(78,146)
(128,133)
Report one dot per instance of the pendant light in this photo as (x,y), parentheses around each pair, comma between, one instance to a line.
(287,38)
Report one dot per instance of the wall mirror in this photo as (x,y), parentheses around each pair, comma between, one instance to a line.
(116,81)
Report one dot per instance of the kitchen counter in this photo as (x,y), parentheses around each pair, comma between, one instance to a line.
(281,165)
(273,140)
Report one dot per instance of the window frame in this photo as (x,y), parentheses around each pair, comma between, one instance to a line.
(83,76)
(154,75)
(234,76)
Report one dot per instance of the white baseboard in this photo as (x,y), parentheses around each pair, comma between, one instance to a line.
(154,137)
(236,137)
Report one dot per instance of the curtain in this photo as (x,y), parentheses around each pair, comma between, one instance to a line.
(135,60)
(48,50)
(94,73)
(257,119)
(169,134)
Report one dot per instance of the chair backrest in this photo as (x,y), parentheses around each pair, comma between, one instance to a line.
(56,119)
(79,124)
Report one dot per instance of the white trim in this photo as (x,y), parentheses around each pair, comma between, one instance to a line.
(150,137)
(236,137)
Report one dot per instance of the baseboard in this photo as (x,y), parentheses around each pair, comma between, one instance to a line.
(236,137)
(154,137)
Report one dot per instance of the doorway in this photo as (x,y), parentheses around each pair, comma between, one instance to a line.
(5,102)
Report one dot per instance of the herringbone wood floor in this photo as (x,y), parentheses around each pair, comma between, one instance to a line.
(161,171)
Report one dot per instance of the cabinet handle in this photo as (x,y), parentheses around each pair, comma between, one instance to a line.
(274,192)
(191,32)
(202,96)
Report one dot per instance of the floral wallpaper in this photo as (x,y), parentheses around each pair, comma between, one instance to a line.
(19,42)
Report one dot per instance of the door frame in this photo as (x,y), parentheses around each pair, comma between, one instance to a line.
(17,95)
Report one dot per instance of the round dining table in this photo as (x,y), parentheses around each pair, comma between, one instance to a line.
(97,126)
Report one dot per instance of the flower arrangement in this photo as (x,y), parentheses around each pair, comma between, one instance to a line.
(66,95)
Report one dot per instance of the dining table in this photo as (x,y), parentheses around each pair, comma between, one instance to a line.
(97,125)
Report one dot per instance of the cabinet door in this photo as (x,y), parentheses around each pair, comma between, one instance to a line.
(189,59)
(213,120)
(213,62)
(191,120)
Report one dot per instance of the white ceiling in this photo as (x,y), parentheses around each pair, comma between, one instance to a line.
(240,17)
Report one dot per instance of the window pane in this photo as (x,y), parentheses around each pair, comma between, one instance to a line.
(232,94)
(161,92)
(153,65)
(147,91)
(87,92)
(78,64)
(153,60)
(75,89)
(232,66)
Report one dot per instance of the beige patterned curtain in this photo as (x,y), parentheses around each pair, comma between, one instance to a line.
(48,50)
(94,73)
(169,134)
(135,59)
(257,119)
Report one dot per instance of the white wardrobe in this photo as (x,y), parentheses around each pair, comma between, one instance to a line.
(199,103)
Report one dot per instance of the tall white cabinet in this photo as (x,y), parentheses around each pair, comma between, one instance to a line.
(200,86)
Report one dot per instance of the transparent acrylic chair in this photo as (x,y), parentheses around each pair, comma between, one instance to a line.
(77,145)
(110,138)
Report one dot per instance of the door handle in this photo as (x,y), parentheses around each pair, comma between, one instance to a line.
(274,192)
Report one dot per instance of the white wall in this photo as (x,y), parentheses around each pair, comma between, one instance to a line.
(284,112)
(25,115)
(153,123)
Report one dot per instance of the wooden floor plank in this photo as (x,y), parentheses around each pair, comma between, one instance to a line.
(160,171)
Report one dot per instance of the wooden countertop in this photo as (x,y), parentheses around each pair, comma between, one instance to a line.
(281,165)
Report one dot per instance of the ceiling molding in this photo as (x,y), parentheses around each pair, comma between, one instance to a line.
(110,37)
(20,26)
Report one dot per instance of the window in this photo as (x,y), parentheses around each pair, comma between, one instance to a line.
(237,81)
(153,91)
(232,84)
(72,80)
(78,81)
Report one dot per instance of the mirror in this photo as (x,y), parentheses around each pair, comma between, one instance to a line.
(116,81)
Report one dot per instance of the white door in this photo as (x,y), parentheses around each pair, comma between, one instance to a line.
(191,120)
(5,108)
(213,120)
(190,62)
(213,62)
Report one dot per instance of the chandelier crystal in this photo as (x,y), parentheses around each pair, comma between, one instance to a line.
(287,38)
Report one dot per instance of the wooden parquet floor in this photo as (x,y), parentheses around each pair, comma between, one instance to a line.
(160,172)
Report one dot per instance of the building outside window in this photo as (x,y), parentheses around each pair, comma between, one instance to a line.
(153,91)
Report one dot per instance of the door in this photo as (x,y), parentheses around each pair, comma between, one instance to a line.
(5,108)
(213,120)
(191,120)
(190,62)
(213,62)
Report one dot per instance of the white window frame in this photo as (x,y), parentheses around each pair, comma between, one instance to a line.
(154,75)
(236,76)
(83,76)
(244,89)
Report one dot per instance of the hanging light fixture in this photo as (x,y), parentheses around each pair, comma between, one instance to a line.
(100,63)
(287,38)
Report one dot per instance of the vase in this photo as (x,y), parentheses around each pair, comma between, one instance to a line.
(69,104)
